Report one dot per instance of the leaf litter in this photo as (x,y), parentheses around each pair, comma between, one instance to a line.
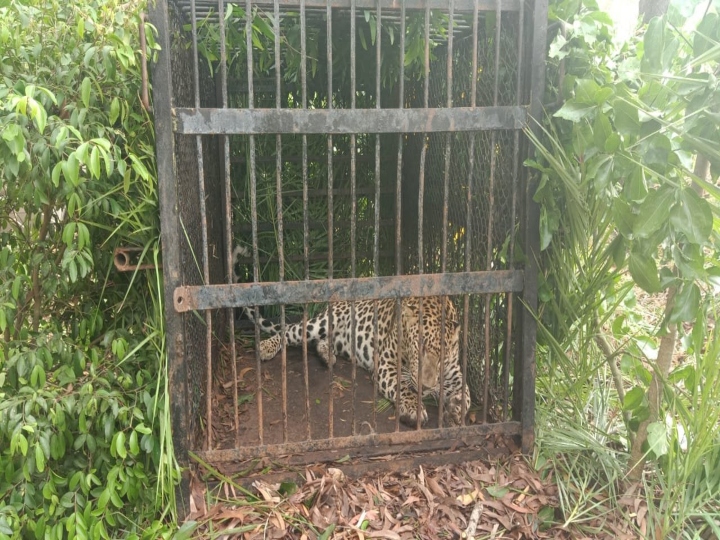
(502,499)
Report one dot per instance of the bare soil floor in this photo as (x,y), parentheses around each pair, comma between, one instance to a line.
(308,411)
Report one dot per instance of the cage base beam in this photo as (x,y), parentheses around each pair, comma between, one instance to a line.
(318,450)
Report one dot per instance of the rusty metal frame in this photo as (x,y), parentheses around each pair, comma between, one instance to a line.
(348,121)
(519,284)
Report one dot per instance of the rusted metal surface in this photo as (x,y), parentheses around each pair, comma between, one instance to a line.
(346,121)
(125,259)
(524,395)
(192,298)
(170,240)
(206,6)
(413,440)
(439,234)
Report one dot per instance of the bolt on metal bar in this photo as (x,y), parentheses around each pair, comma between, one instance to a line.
(398,215)
(227,188)
(469,200)
(353,209)
(253,209)
(376,239)
(446,202)
(491,209)
(421,205)
(513,213)
(204,232)
(330,217)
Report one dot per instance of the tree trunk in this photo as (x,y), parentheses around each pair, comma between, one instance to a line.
(662,368)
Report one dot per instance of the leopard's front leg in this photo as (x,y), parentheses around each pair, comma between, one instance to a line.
(387,382)
(455,394)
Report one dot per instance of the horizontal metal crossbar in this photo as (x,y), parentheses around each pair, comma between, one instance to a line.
(342,121)
(205,6)
(202,297)
(418,438)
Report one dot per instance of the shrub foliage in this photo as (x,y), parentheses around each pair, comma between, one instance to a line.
(82,415)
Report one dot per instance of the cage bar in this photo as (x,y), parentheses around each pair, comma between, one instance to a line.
(360,195)
(227,196)
(347,121)
(513,217)
(330,220)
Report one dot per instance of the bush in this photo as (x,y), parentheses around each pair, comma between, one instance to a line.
(84,439)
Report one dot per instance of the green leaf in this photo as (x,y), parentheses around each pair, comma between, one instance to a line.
(186,531)
(39,458)
(599,171)
(654,43)
(114,110)
(574,111)
(586,91)
(497,492)
(602,129)
(623,216)
(627,121)
(633,399)
(692,216)
(133,443)
(612,143)
(120,445)
(687,303)
(71,170)
(85,92)
(644,272)
(657,438)
(654,212)
(635,188)
(95,162)
(57,169)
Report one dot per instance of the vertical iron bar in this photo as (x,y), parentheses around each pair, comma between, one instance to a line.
(376,244)
(513,213)
(398,216)
(421,204)
(469,206)
(491,203)
(353,209)
(524,390)
(204,232)
(253,209)
(228,217)
(280,222)
(446,196)
(177,366)
(331,341)
(306,228)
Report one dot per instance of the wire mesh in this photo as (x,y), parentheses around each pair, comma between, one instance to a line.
(318,207)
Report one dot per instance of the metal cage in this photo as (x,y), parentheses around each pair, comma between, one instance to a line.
(358,150)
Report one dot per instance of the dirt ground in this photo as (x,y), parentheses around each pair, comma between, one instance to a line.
(430,496)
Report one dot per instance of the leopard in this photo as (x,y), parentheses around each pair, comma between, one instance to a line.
(439,353)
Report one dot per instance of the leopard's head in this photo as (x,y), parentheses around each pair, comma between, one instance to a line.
(434,353)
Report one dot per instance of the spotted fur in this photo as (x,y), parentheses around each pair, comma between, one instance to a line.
(362,347)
